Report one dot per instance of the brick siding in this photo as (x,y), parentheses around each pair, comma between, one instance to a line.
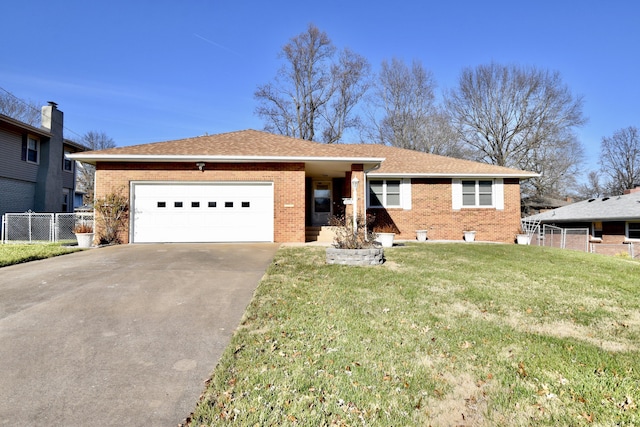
(431,209)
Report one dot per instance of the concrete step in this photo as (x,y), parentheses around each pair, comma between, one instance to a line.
(319,234)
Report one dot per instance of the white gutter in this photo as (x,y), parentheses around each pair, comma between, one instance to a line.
(455,175)
(91,158)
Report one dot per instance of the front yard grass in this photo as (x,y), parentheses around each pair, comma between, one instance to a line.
(441,335)
(15,254)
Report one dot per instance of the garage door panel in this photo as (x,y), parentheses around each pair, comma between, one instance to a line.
(217,212)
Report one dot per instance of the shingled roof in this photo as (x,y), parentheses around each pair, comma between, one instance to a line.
(615,208)
(252,145)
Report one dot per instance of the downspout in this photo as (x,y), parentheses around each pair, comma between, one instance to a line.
(366,196)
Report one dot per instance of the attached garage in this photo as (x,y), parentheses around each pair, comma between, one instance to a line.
(172,212)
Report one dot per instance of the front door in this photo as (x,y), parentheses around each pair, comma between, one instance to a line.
(321,202)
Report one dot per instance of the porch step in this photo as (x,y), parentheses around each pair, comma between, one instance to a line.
(319,234)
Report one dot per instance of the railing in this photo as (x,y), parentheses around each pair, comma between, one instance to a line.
(34,227)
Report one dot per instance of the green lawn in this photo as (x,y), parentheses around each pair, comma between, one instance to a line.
(441,335)
(15,254)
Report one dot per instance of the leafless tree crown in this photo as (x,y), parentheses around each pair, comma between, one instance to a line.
(26,111)
(620,160)
(314,93)
(519,117)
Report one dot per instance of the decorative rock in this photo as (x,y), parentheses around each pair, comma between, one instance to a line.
(370,256)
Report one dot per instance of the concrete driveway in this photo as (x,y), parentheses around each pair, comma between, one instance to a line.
(122,335)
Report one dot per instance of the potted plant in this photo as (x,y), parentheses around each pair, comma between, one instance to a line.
(385,233)
(84,234)
(523,238)
(421,235)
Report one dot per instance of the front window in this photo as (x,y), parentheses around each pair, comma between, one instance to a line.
(33,149)
(384,193)
(633,230)
(67,164)
(477,193)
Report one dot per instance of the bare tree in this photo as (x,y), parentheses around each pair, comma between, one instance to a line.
(94,140)
(313,94)
(592,188)
(517,117)
(401,112)
(620,160)
(24,110)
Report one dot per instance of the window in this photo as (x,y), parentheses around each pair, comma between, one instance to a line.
(65,200)
(177,204)
(67,164)
(228,204)
(385,193)
(212,204)
(633,230)
(477,193)
(162,204)
(246,204)
(195,204)
(597,230)
(31,150)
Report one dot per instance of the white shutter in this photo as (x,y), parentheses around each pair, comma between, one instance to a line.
(498,193)
(405,193)
(456,194)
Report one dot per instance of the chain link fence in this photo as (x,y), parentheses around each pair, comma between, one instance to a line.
(34,227)
(631,250)
(576,239)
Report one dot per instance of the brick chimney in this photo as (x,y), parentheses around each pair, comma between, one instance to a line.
(636,189)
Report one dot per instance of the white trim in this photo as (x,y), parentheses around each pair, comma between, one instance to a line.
(405,194)
(455,175)
(214,158)
(626,232)
(401,188)
(498,194)
(456,194)
(38,150)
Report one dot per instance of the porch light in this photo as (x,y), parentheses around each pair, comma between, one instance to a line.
(200,166)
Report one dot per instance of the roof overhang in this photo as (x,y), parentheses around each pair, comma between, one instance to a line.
(146,158)
(21,127)
(523,175)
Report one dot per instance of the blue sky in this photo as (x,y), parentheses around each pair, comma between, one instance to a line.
(145,71)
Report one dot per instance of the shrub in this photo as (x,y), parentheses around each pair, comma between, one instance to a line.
(83,228)
(111,216)
(348,238)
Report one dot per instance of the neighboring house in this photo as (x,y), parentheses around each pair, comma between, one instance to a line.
(256,186)
(34,172)
(610,220)
(537,204)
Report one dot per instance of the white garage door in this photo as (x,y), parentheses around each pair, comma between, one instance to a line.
(202,212)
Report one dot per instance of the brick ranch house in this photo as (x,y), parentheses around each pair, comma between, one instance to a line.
(256,186)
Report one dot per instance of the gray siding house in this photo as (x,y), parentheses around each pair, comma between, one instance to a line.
(610,220)
(34,172)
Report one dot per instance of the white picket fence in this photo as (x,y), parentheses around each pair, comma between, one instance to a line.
(35,227)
